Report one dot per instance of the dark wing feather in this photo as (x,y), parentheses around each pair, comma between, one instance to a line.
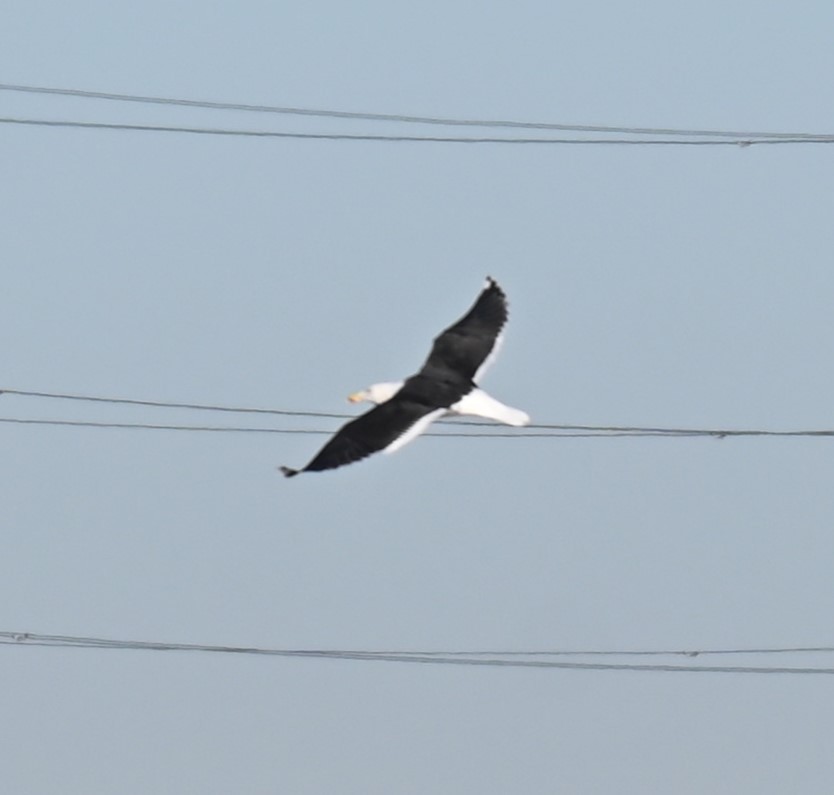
(367,434)
(463,347)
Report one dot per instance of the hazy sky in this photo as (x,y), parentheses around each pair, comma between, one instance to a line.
(659,286)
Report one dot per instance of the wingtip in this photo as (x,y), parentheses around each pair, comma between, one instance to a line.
(288,472)
(492,284)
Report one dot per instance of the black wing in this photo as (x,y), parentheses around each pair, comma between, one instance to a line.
(369,433)
(464,347)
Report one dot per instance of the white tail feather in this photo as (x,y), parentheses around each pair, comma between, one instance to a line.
(479,404)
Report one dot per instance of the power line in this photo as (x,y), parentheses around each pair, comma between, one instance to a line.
(553,429)
(411,138)
(594,432)
(632,652)
(146,426)
(280,412)
(316,431)
(169,404)
(400,118)
(502,659)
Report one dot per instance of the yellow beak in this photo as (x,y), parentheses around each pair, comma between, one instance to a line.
(356,397)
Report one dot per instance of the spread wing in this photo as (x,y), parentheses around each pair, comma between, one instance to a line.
(468,347)
(386,427)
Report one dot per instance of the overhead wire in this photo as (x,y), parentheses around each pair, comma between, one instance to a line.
(483,659)
(401,118)
(535,430)
(762,650)
(221,131)
(147,426)
(314,431)
(168,404)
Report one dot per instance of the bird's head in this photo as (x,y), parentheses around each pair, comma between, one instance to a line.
(376,393)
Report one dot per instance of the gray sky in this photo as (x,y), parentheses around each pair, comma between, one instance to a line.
(683,286)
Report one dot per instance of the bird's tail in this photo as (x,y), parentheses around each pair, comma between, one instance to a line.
(479,404)
(515,417)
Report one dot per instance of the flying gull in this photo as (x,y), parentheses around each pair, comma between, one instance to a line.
(447,383)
